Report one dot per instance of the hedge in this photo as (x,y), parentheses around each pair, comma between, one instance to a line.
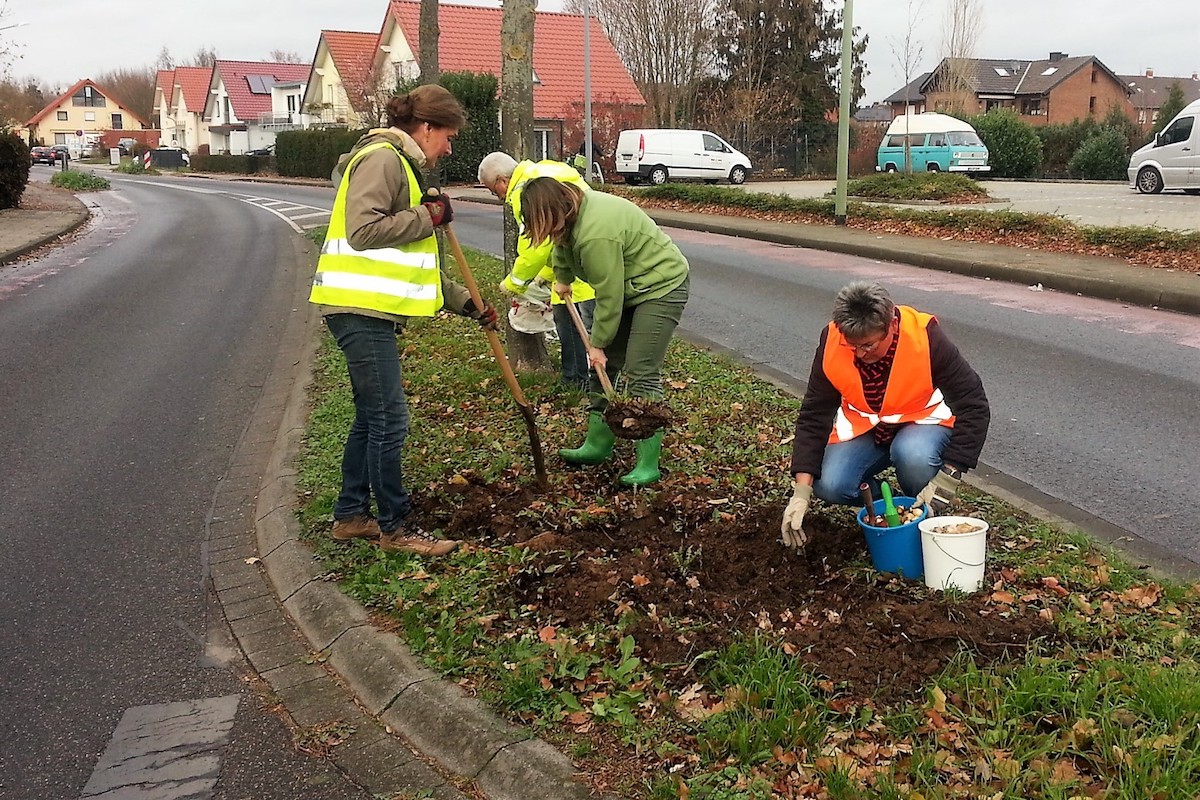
(14,169)
(242,165)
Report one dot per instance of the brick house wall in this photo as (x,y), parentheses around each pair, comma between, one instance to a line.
(1089,92)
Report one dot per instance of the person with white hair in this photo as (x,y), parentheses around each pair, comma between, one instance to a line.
(505,178)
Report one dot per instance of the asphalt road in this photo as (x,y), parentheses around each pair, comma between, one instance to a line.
(132,358)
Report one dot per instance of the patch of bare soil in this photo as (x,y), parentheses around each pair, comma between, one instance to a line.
(700,571)
(44,197)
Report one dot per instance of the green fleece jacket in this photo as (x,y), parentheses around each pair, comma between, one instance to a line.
(623,254)
(378,213)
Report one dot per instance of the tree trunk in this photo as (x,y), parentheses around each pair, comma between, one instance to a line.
(527,351)
(428,31)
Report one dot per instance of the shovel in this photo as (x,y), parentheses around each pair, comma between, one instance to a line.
(535,442)
(587,342)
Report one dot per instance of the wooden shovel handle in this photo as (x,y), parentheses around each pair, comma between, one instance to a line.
(587,342)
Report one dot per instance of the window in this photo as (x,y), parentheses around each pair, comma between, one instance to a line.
(1091,105)
(62,116)
(89,116)
(541,144)
(291,103)
(1178,131)
(118,122)
(937,140)
(60,138)
(714,145)
(1032,106)
(1049,70)
(88,97)
(228,116)
(1001,71)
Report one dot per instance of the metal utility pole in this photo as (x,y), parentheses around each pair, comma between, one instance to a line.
(587,88)
(843,151)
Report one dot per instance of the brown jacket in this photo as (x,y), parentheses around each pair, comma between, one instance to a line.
(378,213)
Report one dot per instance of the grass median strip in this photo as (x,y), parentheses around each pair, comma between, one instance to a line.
(670,644)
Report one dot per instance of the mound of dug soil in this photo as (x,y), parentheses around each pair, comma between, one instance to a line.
(701,570)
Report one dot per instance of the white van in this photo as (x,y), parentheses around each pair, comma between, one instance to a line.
(1172,160)
(658,155)
(936,143)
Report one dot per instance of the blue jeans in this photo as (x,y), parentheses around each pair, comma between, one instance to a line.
(916,452)
(574,354)
(374,446)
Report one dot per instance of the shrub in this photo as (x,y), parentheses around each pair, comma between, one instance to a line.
(1014,149)
(240,165)
(920,186)
(311,153)
(78,181)
(477,93)
(1103,157)
(14,169)
(135,166)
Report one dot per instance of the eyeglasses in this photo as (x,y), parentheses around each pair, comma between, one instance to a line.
(863,348)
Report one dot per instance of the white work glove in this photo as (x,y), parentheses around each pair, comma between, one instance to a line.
(793,517)
(941,492)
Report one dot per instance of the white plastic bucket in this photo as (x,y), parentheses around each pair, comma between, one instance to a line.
(953,560)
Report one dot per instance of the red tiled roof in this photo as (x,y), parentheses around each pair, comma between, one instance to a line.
(353,53)
(246,104)
(470,40)
(58,101)
(164,81)
(193,83)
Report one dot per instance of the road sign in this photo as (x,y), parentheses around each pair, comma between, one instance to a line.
(79,133)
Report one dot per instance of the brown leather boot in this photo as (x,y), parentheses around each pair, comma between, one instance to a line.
(360,526)
(403,540)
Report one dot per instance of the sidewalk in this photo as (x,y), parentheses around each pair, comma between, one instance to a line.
(412,732)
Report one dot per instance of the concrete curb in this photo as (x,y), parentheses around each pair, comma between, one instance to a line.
(437,717)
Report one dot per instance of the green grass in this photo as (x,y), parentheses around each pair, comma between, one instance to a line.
(1111,710)
(79,181)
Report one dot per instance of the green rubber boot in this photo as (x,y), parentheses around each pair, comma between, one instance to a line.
(596,447)
(646,471)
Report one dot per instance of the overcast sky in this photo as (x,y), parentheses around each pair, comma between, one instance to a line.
(65,40)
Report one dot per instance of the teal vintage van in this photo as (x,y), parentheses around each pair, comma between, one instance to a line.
(936,143)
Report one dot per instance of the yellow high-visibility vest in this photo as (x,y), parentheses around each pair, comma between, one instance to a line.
(404,280)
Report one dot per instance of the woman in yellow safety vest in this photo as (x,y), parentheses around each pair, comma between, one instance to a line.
(380,265)
(505,178)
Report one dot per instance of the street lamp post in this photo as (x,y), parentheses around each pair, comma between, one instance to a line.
(587,88)
(847,86)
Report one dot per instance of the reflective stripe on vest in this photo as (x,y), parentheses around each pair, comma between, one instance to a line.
(404,280)
(910,396)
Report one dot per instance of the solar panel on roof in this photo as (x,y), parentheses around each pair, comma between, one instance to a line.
(260,84)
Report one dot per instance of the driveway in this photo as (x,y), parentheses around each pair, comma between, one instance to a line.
(1105,204)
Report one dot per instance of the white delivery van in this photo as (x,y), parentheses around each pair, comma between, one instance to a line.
(1172,160)
(658,155)
(936,143)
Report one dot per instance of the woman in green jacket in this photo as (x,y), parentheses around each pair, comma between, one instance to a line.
(641,283)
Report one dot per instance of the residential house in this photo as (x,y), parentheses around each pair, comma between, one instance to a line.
(87,116)
(1150,92)
(179,97)
(1053,91)
(909,95)
(249,102)
(341,87)
(470,41)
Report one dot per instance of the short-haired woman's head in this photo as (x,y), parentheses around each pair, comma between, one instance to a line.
(863,313)
(549,209)
(431,116)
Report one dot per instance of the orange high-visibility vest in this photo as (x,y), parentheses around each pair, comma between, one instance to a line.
(910,395)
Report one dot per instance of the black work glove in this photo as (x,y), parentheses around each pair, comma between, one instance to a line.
(487,318)
(439,209)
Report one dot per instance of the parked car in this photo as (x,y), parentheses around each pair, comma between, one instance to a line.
(1172,160)
(267,151)
(657,155)
(936,143)
(42,155)
(61,151)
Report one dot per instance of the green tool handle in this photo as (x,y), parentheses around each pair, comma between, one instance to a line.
(889,508)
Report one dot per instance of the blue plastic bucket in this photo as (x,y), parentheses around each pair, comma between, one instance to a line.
(895,549)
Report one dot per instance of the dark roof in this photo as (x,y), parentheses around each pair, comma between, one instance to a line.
(880,112)
(1014,77)
(909,92)
(1152,92)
